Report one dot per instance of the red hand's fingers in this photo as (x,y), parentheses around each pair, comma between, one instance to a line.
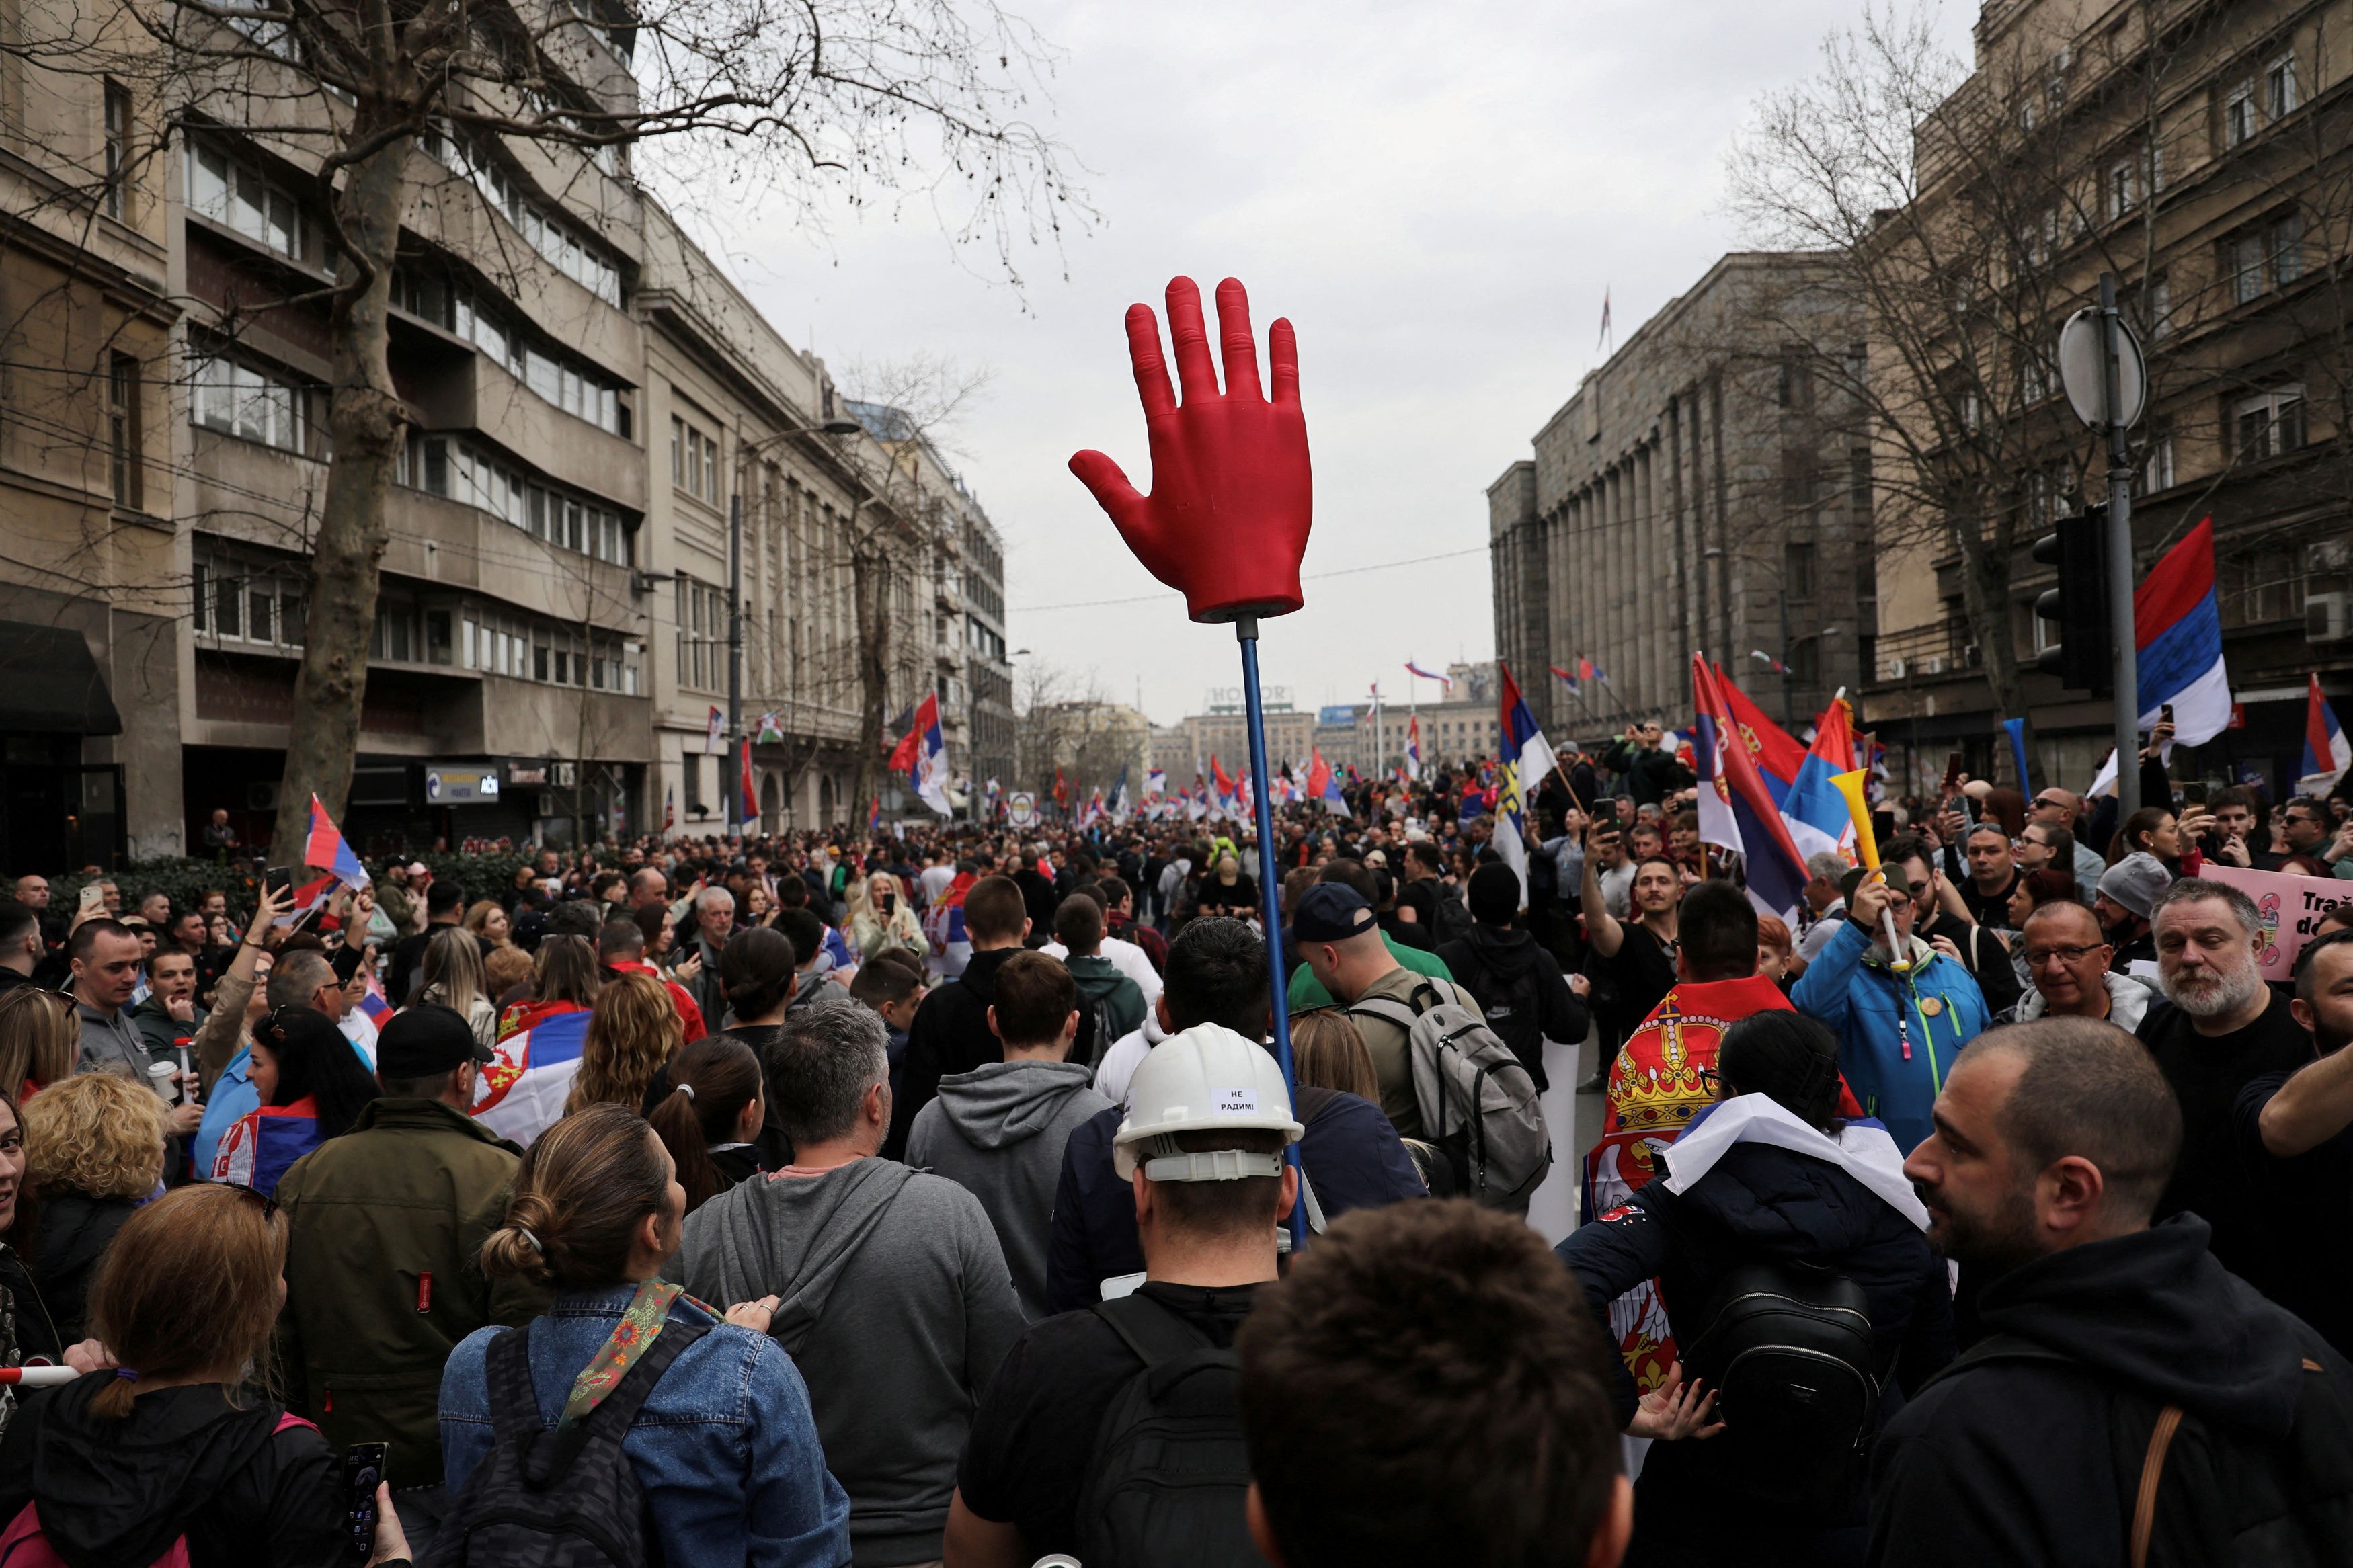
(1282,360)
(1151,370)
(1196,374)
(1234,337)
(1109,486)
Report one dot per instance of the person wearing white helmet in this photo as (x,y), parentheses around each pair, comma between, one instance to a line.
(1201,1149)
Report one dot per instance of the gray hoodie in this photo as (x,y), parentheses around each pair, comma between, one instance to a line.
(999,1130)
(896,1308)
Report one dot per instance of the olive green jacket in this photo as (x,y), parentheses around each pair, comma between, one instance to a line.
(382,1276)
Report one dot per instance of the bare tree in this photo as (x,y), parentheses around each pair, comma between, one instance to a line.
(1964,214)
(871,99)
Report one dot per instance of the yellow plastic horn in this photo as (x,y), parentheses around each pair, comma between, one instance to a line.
(1866,848)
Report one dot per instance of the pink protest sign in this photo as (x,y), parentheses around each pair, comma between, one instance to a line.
(2291,906)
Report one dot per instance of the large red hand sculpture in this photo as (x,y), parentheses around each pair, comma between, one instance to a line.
(1227,519)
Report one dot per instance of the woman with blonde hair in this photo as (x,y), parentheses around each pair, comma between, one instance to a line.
(487,920)
(186,1305)
(455,979)
(565,978)
(38,1040)
(93,1153)
(714,1419)
(1328,1052)
(880,918)
(633,1029)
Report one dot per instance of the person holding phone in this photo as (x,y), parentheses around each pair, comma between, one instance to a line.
(164,1440)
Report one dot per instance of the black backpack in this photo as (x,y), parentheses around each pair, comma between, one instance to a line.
(1514,1009)
(1789,1351)
(1171,1470)
(550,1500)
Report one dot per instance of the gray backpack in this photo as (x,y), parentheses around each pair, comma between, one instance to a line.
(1478,1104)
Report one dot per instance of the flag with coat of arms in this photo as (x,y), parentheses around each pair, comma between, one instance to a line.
(521,1094)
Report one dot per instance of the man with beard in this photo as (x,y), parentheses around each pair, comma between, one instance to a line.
(2298,1133)
(2219,1030)
(2126,904)
(2112,1343)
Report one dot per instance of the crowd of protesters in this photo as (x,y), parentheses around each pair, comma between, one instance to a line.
(934,1196)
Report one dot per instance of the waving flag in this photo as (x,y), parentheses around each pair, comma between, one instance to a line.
(747,797)
(1413,668)
(1413,748)
(1226,787)
(1736,809)
(1119,794)
(2178,629)
(1775,665)
(2327,752)
(258,1147)
(1197,805)
(715,727)
(310,898)
(324,849)
(770,733)
(1323,785)
(944,923)
(521,1095)
(1777,753)
(372,1001)
(1527,757)
(1564,678)
(1815,812)
(1155,782)
(874,815)
(669,807)
(1589,670)
(927,765)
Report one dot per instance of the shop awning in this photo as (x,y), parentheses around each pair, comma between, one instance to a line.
(50,684)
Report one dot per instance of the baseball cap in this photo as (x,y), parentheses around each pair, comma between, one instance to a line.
(422,1041)
(2136,881)
(1331,912)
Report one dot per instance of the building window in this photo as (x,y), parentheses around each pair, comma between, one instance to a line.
(1804,662)
(2279,87)
(233,601)
(1798,569)
(118,151)
(242,401)
(122,429)
(693,462)
(236,195)
(2270,425)
(2283,238)
(2123,188)
(1794,390)
(2244,262)
(2160,307)
(2239,114)
(2156,472)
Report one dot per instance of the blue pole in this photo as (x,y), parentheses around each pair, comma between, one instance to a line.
(1270,900)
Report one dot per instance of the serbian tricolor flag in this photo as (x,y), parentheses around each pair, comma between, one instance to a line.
(1779,756)
(944,924)
(1737,807)
(1413,668)
(2179,630)
(747,803)
(1413,748)
(521,1094)
(310,898)
(324,849)
(1564,677)
(1155,783)
(2327,752)
(371,1000)
(1814,811)
(1589,670)
(874,815)
(1323,785)
(260,1145)
(1224,781)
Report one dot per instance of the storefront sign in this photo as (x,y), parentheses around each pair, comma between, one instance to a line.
(462,783)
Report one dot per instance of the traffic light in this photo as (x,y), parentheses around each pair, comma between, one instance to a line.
(2079,604)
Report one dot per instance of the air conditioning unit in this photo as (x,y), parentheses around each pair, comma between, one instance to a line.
(1932,664)
(1897,669)
(2326,618)
(261,797)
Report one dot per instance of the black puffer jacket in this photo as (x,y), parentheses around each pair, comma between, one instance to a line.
(2028,1451)
(1761,1202)
(76,1231)
(184,1462)
(1520,989)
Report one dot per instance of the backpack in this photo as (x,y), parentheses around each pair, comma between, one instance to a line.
(1453,915)
(21,1544)
(1514,1010)
(2197,1495)
(1171,1470)
(556,1500)
(1478,1104)
(1789,1349)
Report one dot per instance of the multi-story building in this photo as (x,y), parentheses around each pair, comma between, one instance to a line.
(988,668)
(2201,151)
(621,495)
(1222,732)
(1695,493)
(90,653)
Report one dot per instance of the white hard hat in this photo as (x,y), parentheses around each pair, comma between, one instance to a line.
(1207,1078)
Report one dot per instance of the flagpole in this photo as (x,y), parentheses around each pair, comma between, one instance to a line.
(1270,896)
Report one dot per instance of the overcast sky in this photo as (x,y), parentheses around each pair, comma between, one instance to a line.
(1436,195)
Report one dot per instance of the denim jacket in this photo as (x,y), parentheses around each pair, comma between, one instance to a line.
(725,1445)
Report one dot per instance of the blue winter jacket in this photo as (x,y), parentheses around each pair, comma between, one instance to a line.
(1894,1047)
